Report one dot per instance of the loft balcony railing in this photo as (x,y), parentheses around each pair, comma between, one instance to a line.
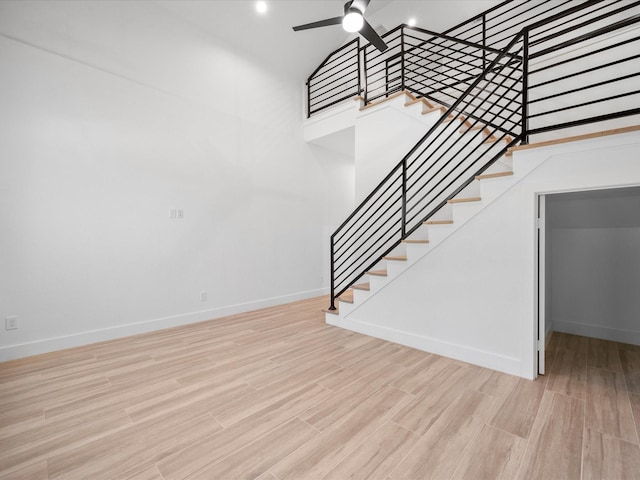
(520,69)
(336,79)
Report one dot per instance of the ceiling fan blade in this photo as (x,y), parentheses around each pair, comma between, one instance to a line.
(360,4)
(321,23)
(370,34)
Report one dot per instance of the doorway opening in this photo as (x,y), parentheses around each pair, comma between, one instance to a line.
(589,265)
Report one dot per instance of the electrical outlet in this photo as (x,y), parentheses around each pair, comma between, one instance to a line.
(11,323)
(172,213)
(180,213)
(203,296)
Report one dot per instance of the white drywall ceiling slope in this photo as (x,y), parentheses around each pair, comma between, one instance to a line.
(270,38)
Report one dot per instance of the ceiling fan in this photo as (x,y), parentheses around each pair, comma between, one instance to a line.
(352,21)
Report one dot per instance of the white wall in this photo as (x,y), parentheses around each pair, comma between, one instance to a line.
(383,136)
(112,114)
(593,270)
(473,297)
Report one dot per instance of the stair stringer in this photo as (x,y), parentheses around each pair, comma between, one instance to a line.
(473,298)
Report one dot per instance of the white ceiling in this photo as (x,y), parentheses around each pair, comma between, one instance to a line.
(269,38)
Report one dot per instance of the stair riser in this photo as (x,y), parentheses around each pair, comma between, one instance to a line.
(394,268)
(492,188)
(471,190)
(443,214)
(502,165)
(360,296)
(416,251)
(345,308)
(438,233)
(462,212)
(376,282)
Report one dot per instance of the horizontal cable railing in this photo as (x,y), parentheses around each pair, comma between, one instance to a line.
(478,128)
(585,68)
(429,64)
(413,52)
(336,79)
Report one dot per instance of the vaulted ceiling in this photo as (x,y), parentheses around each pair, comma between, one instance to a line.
(270,39)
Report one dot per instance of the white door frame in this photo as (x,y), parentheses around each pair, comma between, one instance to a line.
(540,280)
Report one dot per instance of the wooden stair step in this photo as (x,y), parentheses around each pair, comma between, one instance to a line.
(332,312)
(375,103)
(378,273)
(438,222)
(475,128)
(422,100)
(450,118)
(362,286)
(397,258)
(493,139)
(415,241)
(346,297)
(435,109)
(485,176)
(464,200)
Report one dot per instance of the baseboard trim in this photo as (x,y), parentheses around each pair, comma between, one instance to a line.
(481,358)
(597,331)
(37,347)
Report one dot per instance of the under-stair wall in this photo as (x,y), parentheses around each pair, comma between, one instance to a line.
(473,296)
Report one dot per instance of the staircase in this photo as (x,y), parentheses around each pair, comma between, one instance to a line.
(479,193)
(526,70)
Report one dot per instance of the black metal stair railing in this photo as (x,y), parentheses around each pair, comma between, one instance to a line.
(336,79)
(476,131)
(556,73)
(416,54)
(584,68)
(412,49)
(426,63)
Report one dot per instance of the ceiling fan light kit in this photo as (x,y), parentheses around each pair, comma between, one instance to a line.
(352,21)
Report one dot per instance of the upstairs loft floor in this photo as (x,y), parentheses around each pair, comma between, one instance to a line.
(278,394)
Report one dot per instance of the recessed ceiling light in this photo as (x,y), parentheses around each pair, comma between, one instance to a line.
(411,22)
(261,7)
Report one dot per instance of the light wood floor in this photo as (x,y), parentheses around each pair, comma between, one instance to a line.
(278,394)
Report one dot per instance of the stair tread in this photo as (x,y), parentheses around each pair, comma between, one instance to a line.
(438,222)
(434,109)
(493,139)
(375,103)
(379,273)
(415,241)
(486,176)
(346,297)
(399,258)
(362,286)
(464,200)
(332,312)
(422,100)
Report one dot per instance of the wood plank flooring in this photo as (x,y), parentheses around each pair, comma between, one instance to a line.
(277,394)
